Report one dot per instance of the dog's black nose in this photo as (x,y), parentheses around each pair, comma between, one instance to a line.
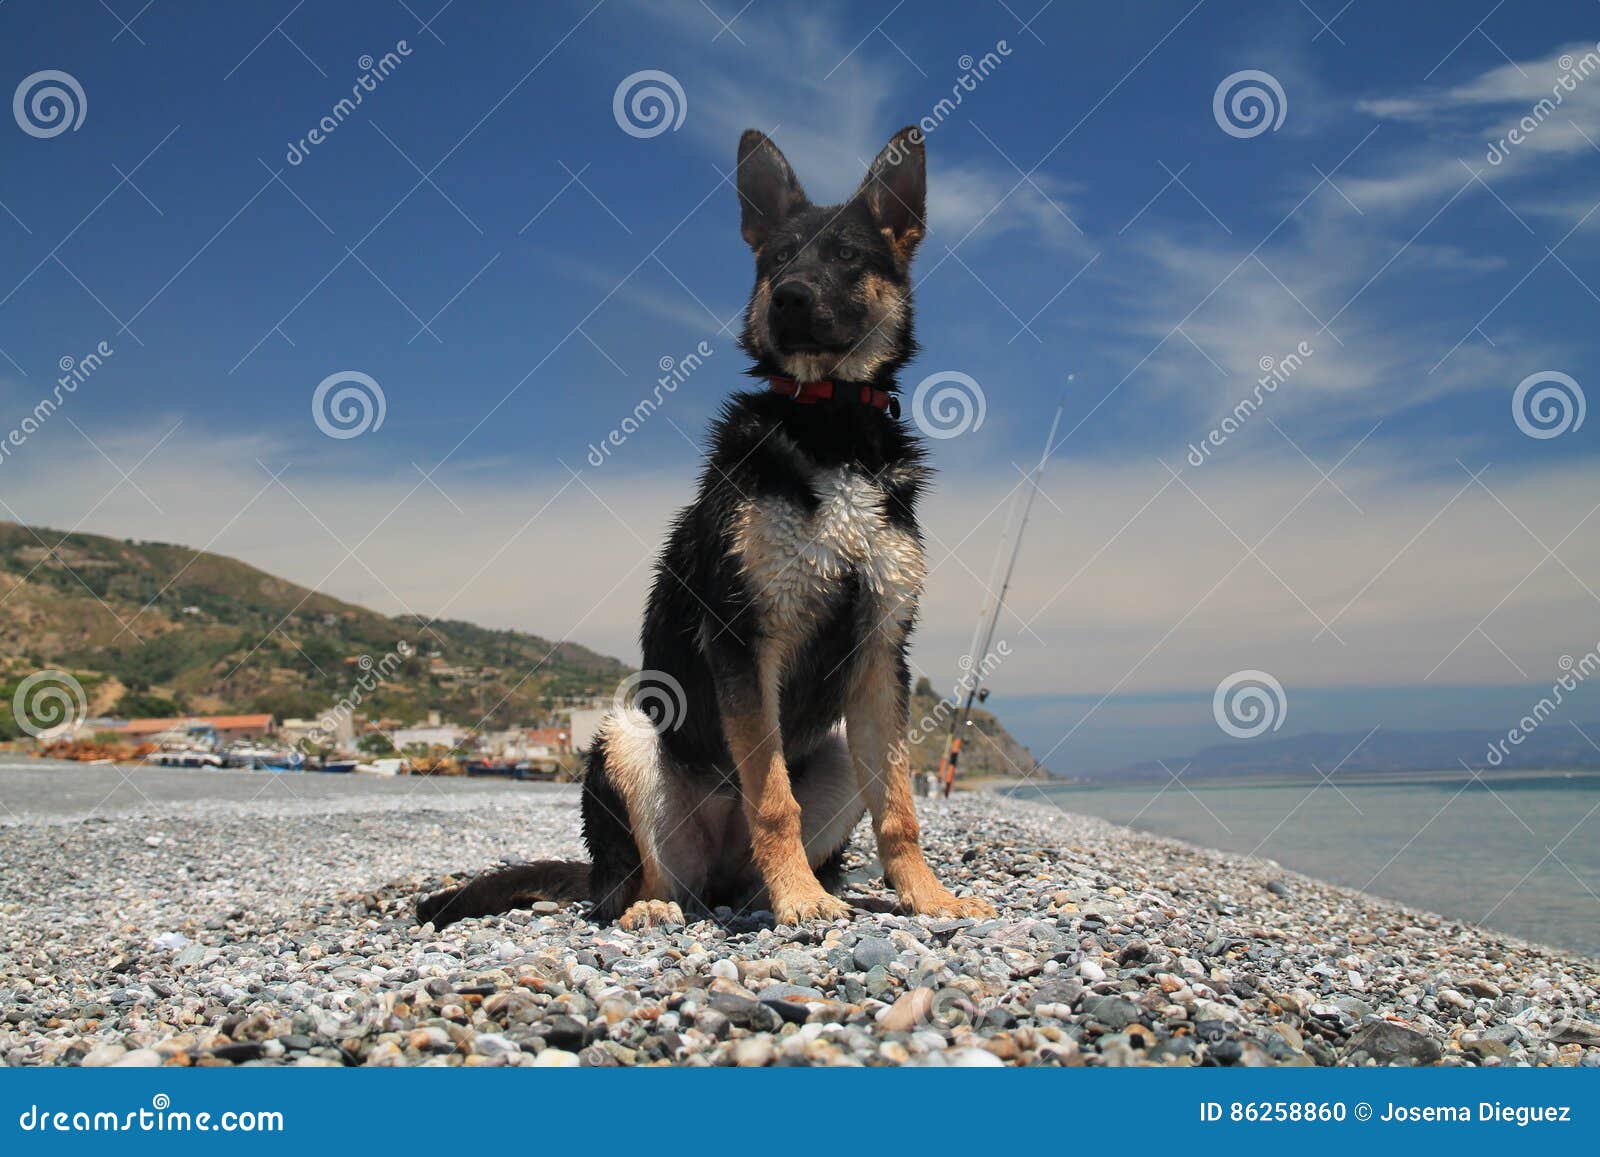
(792,301)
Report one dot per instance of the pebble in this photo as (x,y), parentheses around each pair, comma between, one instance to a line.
(873,951)
(139,1058)
(234,946)
(103,1055)
(556,1059)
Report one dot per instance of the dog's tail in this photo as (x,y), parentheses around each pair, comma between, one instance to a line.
(514,886)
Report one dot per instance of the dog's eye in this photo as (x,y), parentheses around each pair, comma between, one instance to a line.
(784,255)
(845,253)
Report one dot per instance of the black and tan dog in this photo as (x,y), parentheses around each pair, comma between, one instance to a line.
(782,601)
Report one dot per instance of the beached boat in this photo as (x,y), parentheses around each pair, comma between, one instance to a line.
(263,757)
(185,757)
(385,767)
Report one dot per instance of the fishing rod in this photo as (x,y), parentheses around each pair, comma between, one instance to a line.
(958,724)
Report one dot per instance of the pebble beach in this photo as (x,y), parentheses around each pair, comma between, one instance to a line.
(278,930)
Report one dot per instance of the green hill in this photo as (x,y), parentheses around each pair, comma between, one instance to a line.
(988,749)
(150,628)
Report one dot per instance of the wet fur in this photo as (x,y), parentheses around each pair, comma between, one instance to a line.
(782,605)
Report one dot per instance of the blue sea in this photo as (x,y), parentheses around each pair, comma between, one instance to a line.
(1519,852)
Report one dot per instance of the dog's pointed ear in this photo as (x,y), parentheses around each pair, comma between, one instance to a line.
(768,189)
(896,190)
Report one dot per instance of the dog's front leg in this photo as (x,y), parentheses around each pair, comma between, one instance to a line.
(748,695)
(875,725)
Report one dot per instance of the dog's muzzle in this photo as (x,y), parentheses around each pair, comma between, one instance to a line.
(793,315)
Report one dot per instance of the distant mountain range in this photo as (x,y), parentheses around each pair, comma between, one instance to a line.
(1555,744)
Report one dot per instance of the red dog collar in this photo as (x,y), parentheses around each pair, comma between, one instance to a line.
(808,392)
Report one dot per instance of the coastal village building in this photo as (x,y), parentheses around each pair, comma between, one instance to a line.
(227,727)
(342,737)
(447,735)
(585,722)
(558,740)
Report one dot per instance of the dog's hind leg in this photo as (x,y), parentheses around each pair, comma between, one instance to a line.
(646,825)
(608,831)
(876,718)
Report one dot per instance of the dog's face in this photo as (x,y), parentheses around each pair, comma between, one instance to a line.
(832,297)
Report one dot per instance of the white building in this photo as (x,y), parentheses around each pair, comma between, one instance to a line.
(585,722)
(442,735)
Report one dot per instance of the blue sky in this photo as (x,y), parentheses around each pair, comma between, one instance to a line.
(484,240)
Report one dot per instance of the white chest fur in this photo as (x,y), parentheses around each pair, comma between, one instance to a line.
(795,560)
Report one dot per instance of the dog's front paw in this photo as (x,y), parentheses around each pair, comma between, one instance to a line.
(809,906)
(651,914)
(947,904)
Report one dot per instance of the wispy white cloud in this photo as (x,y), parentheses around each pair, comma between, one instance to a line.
(1149,587)
(1520,120)
(854,102)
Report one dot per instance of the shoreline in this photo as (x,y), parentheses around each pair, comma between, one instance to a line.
(279,931)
